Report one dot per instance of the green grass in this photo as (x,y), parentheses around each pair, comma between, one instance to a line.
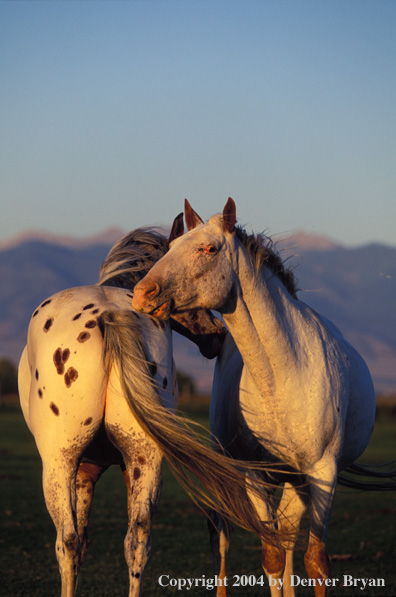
(361,536)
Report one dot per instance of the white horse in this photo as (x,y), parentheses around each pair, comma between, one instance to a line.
(292,390)
(97,387)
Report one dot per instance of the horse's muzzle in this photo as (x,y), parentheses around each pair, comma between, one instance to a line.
(145,299)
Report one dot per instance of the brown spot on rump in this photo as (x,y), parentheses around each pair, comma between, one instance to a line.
(88,421)
(70,376)
(91,324)
(77,316)
(89,306)
(60,358)
(40,393)
(83,337)
(136,473)
(58,361)
(54,409)
(65,355)
(48,324)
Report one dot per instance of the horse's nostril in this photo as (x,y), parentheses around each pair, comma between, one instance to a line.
(152,291)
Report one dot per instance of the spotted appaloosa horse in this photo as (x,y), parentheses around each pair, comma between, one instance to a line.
(97,387)
(291,390)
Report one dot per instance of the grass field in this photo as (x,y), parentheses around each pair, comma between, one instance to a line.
(361,538)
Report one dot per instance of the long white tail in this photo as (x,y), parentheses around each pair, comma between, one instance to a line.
(209,477)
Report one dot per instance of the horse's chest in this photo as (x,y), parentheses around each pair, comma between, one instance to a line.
(283,425)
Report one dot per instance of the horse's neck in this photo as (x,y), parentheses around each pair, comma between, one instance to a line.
(260,324)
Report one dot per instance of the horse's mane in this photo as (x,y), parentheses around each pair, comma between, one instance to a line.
(130,259)
(262,251)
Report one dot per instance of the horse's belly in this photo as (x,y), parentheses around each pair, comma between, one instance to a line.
(359,423)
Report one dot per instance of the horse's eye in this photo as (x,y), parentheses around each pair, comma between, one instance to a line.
(210,249)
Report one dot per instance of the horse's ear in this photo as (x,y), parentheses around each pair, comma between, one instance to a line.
(229,215)
(192,218)
(177,228)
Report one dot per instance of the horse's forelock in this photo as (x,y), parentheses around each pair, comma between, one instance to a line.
(217,220)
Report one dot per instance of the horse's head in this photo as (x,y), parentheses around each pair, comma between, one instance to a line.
(131,259)
(197,271)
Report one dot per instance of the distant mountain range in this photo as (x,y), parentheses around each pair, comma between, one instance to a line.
(354,287)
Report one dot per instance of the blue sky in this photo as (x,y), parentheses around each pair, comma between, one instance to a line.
(112,112)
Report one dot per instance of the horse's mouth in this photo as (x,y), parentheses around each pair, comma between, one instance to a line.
(163,311)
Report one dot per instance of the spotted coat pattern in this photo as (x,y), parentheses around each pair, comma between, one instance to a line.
(75,412)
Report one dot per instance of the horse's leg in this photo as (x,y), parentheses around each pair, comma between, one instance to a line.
(323,479)
(59,492)
(128,484)
(62,436)
(61,453)
(88,475)
(144,472)
(272,556)
(142,459)
(290,511)
(220,534)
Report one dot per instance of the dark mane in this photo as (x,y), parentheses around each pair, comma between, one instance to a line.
(132,257)
(261,250)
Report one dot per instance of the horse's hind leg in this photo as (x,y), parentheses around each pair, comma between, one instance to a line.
(59,493)
(322,478)
(273,557)
(220,535)
(144,473)
(88,475)
(290,511)
(143,460)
